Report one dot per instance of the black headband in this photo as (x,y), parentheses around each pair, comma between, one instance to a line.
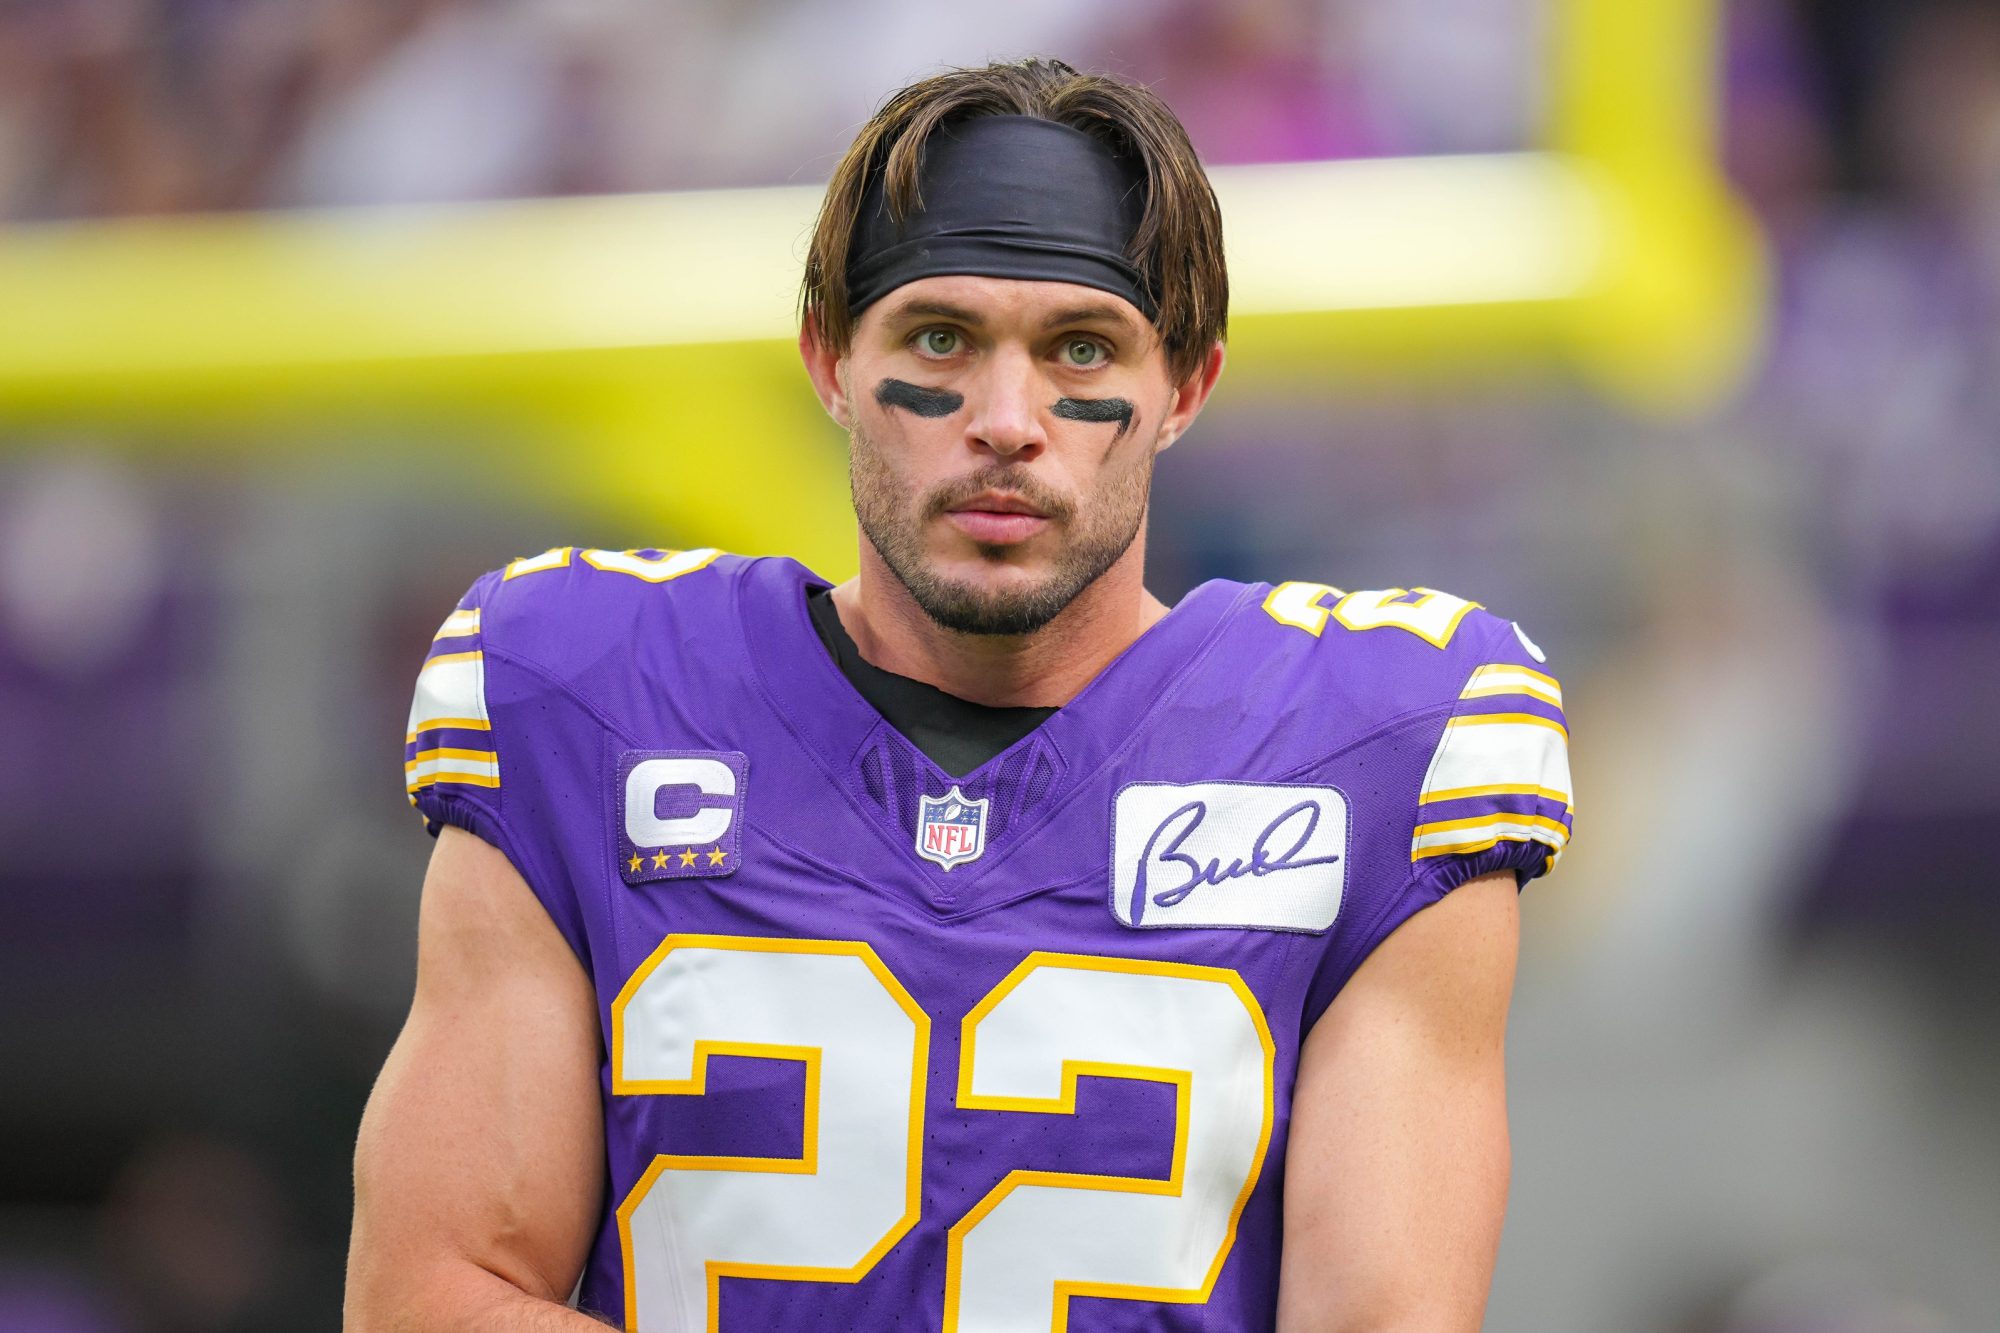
(1007,197)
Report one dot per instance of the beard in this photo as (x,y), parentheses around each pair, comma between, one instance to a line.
(1094,535)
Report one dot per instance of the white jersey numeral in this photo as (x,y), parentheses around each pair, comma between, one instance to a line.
(1038,1237)
(825,1216)
(1041,1237)
(1431,615)
(661,567)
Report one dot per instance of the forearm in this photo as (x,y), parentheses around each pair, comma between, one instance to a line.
(478,1171)
(1381,1302)
(446,1238)
(424,1258)
(1376,1322)
(1404,1235)
(456,1297)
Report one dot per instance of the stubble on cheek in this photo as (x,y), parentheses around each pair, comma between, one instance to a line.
(1086,537)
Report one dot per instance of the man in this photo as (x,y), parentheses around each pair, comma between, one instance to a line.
(979,944)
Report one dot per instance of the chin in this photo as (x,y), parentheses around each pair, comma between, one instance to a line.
(981,600)
(1000,573)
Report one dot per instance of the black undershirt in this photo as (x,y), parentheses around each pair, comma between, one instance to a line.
(957,734)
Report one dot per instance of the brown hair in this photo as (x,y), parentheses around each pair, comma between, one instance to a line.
(1178,246)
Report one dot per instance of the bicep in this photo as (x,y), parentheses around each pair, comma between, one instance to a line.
(482,1141)
(1396,1174)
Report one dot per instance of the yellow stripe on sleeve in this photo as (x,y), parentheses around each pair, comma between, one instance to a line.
(427,756)
(1499,789)
(1496,720)
(1530,821)
(458,624)
(447,724)
(1502,678)
(1452,836)
(468,779)
(1477,845)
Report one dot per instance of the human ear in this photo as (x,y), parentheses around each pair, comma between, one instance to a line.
(1190,395)
(823,367)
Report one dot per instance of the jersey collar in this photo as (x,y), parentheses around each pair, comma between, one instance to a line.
(820,706)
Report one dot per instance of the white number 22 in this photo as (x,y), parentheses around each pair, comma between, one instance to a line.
(1038,1237)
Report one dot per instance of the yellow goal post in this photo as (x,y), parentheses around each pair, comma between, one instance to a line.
(633,354)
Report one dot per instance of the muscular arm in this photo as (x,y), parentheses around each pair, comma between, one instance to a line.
(1396,1177)
(479,1171)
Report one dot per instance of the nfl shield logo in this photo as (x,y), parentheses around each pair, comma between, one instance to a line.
(951,828)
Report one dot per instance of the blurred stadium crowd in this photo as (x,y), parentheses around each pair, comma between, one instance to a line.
(129,106)
(1755,1079)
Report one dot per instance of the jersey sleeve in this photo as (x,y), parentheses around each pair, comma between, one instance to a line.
(451,766)
(1494,795)
(459,756)
(1497,793)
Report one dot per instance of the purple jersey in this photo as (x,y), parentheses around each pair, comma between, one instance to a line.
(887,1049)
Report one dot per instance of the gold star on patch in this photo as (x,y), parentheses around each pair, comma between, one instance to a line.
(715,857)
(687,858)
(634,864)
(659,860)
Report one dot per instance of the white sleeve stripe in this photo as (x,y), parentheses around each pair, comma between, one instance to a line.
(1463,835)
(463,779)
(1474,823)
(1479,843)
(1495,691)
(1541,678)
(451,691)
(458,624)
(1497,789)
(470,759)
(448,724)
(1506,678)
(452,761)
(1495,752)
(1464,720)
(452,766)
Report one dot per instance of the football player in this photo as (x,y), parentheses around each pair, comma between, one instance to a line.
(980,944)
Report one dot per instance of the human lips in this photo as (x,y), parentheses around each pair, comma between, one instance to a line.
(997,502)
(997,518)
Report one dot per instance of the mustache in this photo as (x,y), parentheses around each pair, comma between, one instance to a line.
(1006,480)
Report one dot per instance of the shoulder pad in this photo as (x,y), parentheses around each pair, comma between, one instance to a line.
(1420,645)
(1498,782)
(569,603)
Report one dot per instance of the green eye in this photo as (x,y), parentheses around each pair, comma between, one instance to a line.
(941,342)
(1082,352)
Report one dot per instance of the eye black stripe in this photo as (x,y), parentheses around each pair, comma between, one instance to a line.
(1097,409)
(917,400)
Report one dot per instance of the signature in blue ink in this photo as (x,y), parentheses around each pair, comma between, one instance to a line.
(1163,853)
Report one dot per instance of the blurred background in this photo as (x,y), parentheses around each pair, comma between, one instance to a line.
(1741,477)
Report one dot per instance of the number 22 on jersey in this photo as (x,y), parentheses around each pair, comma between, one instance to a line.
(831,1214)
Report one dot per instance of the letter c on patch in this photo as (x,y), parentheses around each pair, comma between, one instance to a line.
(642,786)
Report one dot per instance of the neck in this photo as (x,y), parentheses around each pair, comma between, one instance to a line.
(1045,669)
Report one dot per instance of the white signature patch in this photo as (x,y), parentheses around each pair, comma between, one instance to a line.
(1263,856)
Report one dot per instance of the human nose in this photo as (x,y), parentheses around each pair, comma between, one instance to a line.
(1007,414)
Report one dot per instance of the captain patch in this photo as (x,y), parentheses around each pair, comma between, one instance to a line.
(680,813)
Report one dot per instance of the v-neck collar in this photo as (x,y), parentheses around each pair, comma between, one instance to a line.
(954,733)
(802,680)
(804,688)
